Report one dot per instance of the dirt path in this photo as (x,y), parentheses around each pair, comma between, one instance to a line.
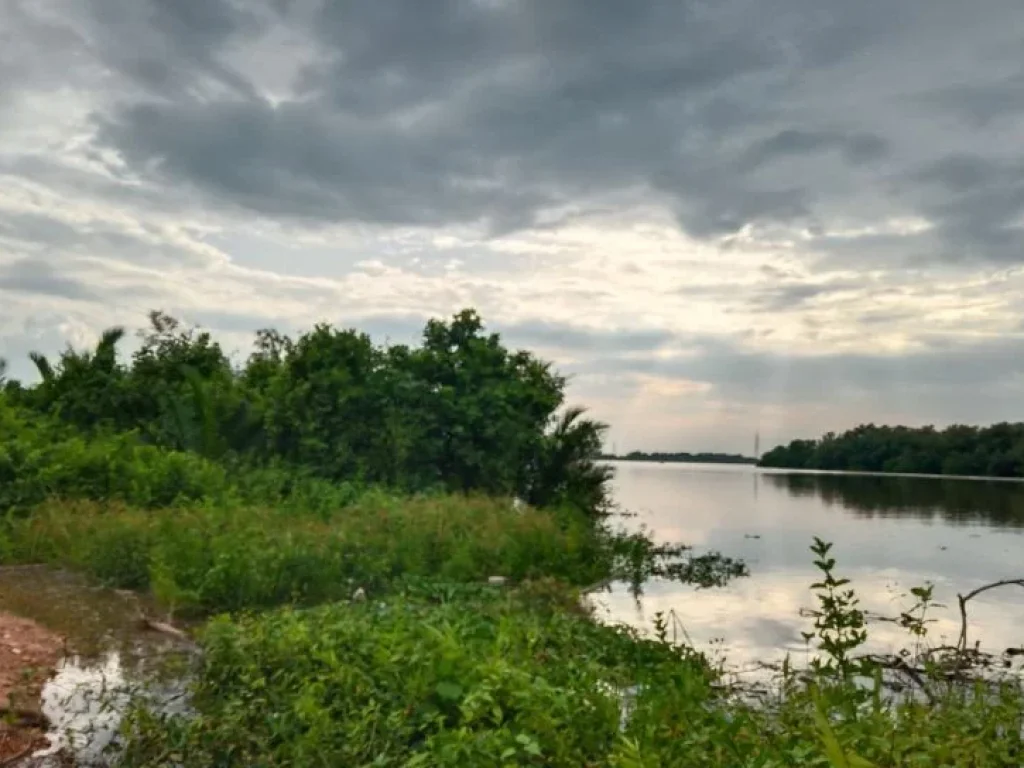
(28,655)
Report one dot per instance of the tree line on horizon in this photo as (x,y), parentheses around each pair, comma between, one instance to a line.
(993,451)
(460,412)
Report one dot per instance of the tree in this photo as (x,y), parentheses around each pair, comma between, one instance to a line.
(565,469)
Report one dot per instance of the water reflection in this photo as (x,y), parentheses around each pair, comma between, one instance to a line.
(956,501)
(109,656)
(890,534)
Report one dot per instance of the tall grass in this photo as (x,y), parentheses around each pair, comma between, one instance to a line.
(228,557)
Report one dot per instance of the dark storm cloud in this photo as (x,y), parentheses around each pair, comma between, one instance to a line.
(169,47)
(976,203)
(856,148)
(495,111)
(296,160)
(981,103)
(40,277)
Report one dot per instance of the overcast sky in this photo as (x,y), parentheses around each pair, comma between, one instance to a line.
(719,216)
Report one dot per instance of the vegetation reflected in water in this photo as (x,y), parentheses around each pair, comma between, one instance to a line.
(953,501)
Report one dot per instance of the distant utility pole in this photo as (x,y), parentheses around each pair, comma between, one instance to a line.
(757,445)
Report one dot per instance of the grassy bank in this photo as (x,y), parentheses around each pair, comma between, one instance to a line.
(204,559)
(438,669)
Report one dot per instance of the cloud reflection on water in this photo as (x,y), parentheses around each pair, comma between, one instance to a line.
(890,534)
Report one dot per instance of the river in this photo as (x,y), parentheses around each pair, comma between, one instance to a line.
(890,534)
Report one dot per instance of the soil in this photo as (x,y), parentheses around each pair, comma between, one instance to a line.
(28,656)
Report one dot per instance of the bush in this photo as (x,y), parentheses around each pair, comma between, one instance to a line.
(403,683)
(42,459)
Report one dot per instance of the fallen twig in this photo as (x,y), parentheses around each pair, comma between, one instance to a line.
(167,629)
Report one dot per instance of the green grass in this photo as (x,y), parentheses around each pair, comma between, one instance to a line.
(437,669)
(226,558)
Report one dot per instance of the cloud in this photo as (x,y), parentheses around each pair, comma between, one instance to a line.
(576,339)
(933,375)
(856,149)
(33,276)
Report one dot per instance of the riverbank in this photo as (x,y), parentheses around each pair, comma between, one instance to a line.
(198,561)
(422,662)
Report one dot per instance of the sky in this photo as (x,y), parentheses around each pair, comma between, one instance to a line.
(717,217)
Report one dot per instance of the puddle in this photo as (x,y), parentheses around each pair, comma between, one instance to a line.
(109,657)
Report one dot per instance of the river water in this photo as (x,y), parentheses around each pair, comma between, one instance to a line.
(890,534)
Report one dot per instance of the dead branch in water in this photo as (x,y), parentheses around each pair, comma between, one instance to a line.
(962,600)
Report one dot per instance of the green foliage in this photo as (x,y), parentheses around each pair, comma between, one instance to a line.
(472,682)
(839,624)
(996,451)
(460,412)
(327,467)
(563,469)
(474,676)
(41,458)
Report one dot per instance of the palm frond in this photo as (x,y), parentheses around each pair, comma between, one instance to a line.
(42,365)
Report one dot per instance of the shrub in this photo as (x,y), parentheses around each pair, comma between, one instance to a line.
(474,683)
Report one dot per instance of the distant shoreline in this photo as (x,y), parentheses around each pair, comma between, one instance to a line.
(761,470)
(683,458)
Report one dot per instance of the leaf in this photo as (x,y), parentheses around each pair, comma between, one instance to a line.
(448,690)
(833,749)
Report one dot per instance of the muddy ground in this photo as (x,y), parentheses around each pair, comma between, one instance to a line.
(28,657)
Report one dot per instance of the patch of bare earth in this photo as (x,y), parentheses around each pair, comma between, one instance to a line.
(28,656)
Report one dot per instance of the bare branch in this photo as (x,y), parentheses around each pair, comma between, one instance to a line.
(963,600)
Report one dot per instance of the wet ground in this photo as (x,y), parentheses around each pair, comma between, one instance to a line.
(91,650)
